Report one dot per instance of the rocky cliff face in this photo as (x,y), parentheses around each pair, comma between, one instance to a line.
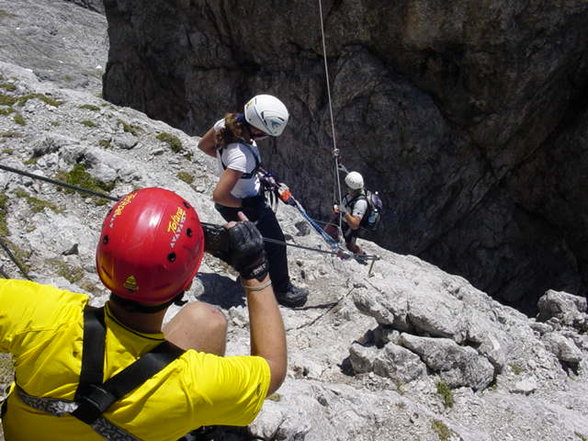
(467,116)
(405,351)
(93,5)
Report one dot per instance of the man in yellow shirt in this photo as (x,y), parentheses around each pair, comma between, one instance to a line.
(150,248)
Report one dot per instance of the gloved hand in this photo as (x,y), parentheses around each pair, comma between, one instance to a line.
(241,246)
(216,240)
(339,209)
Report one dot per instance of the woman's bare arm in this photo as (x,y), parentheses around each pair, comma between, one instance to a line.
(222,192)
(208,143)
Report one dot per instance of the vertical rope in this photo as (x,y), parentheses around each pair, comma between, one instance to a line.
(337,192)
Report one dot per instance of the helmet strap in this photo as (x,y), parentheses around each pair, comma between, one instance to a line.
(143,308)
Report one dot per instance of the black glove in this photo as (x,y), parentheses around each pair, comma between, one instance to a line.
(216,240)
(240,246)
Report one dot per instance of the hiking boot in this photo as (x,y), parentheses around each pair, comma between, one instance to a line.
(292,296)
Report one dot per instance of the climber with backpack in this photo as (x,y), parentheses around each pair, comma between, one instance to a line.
(232,140)
(359,209)
(113,372)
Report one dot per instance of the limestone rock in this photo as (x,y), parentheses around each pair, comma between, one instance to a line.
(563,348)
(534,395)
(469,119)
(457,365)
(569,309)
(398,363)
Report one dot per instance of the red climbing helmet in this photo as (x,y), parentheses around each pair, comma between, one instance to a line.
(151,246)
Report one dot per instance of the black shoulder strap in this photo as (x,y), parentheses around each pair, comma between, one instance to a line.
(94,396)
(353,200)
(92,350)
(255,157)
(368,210)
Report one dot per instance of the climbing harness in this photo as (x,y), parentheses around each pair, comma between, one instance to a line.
(249,148)
(93,396)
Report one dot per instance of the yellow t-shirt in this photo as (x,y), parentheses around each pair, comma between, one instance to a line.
(42,327)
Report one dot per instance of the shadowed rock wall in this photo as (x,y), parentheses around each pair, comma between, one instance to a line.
(468,116)
(94,5)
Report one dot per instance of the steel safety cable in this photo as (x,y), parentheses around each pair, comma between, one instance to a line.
(115,199)
(59,183)
(14,260)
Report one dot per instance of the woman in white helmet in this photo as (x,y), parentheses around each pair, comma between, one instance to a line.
(352,210)
(232,140)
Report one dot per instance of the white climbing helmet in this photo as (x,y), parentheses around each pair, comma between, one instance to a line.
(354,180)
(267,113)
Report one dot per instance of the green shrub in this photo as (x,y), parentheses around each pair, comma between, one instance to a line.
(6,111)
(8,87)
(90,107)
(442,431)
(79,177)
(7,100)
(10,134)
(129,128)
(3,227)
(446,394)
(186,177)
(173,141)
(88,123)
(4,13)
(516,369)
(39,96)
(72,274)
(19,119)
(38,205)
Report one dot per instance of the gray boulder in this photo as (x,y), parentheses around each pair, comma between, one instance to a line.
(567,309)
(458,366)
